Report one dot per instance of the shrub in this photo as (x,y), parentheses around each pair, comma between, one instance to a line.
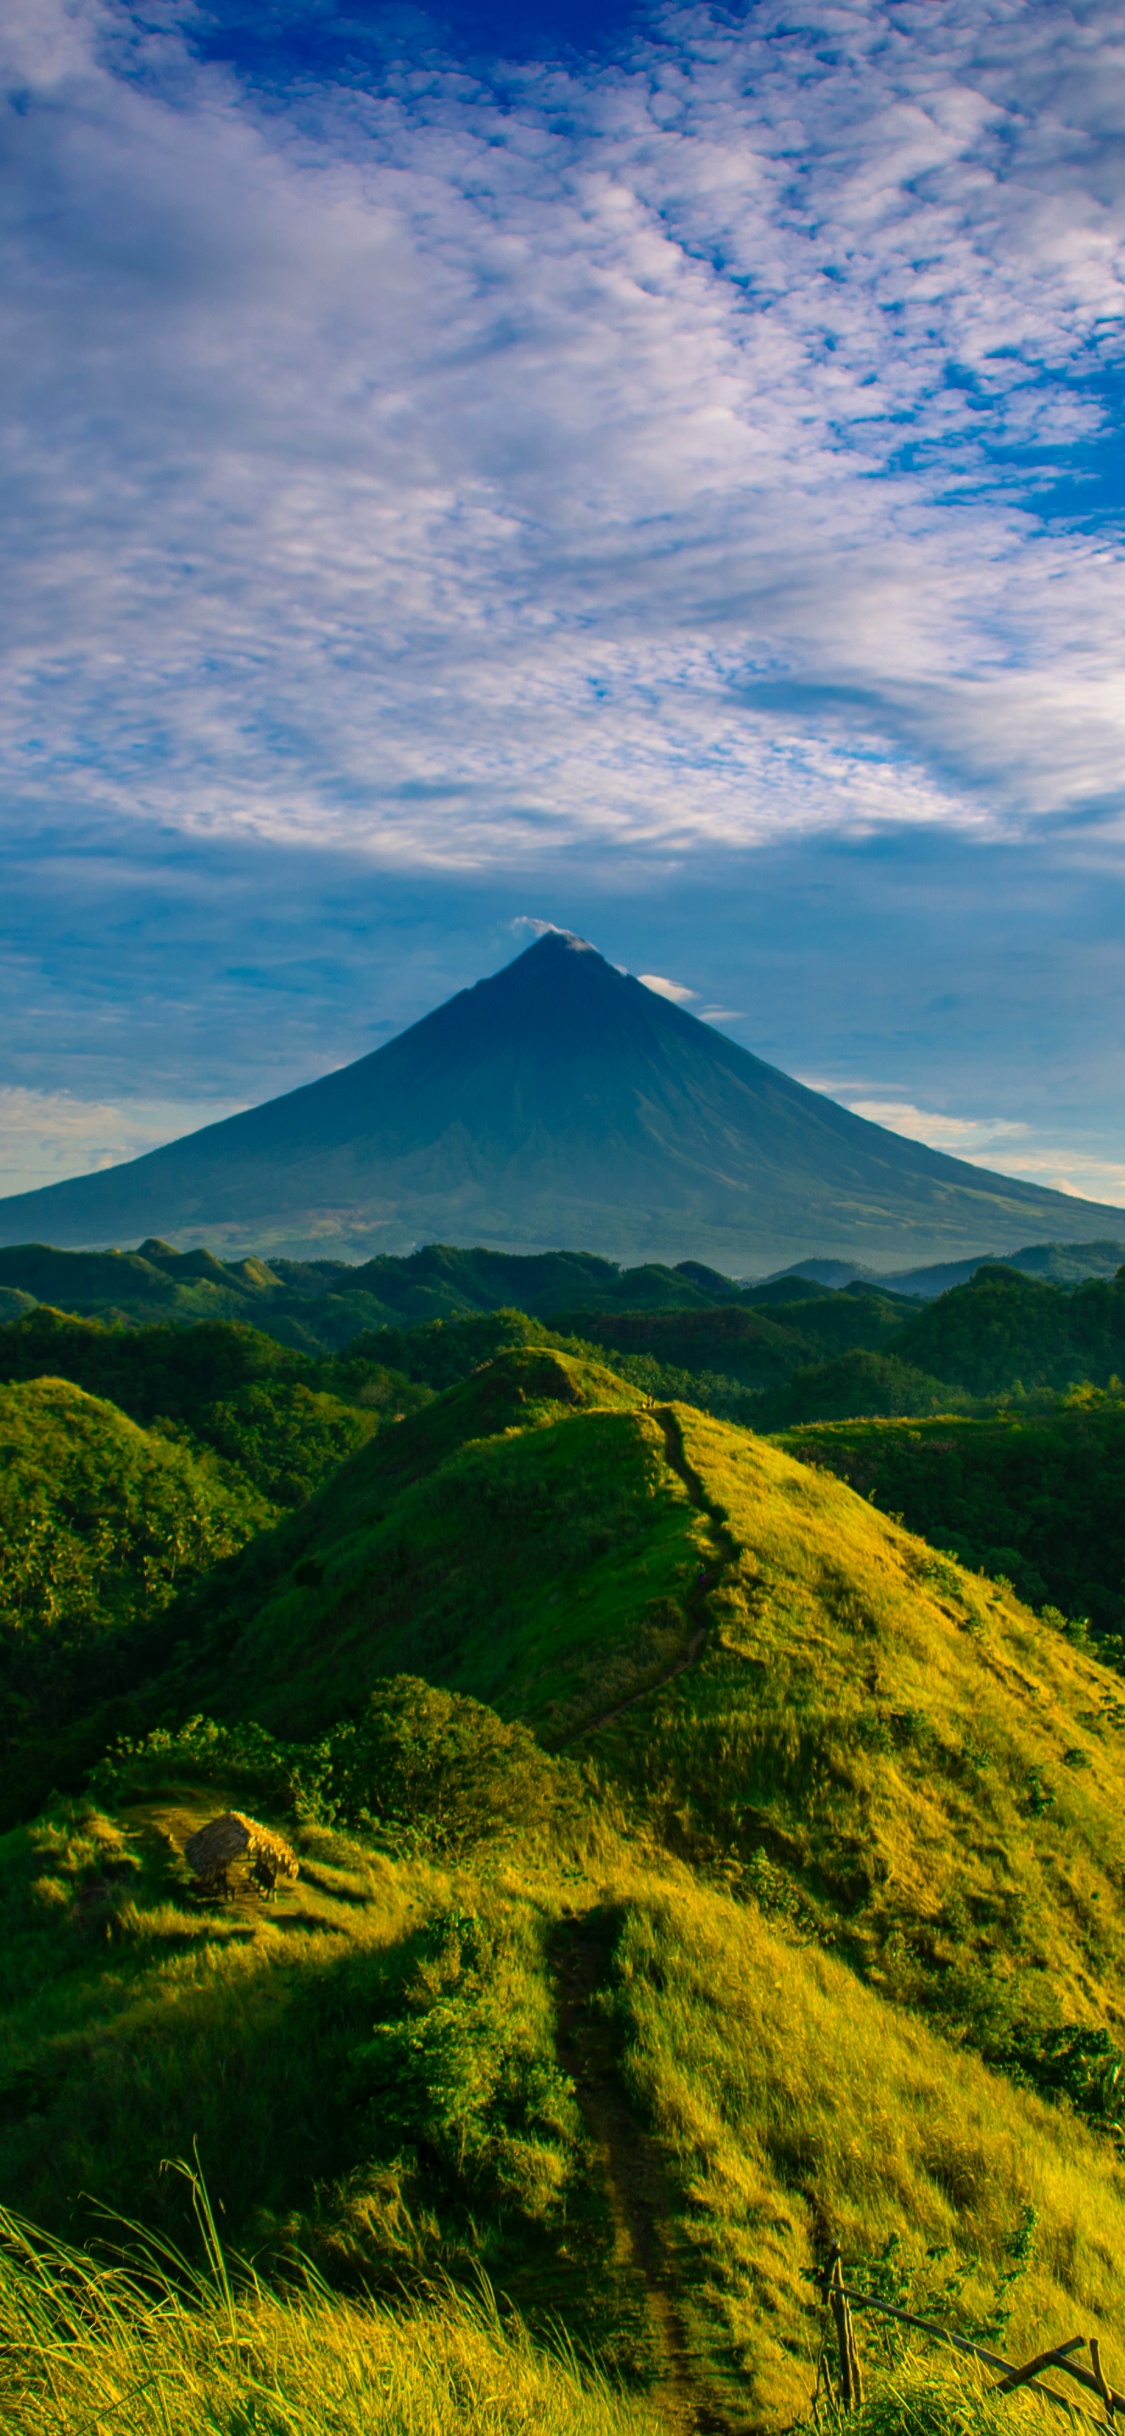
(434,1767)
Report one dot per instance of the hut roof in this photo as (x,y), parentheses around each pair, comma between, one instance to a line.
(234,1837)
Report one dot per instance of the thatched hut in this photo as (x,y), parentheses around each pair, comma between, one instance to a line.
(234,1837)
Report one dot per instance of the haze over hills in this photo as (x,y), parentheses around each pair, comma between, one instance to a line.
(558,1103)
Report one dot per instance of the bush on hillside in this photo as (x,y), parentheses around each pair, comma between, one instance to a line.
(464,2077)
(431,1769)
(243,1756)
(434,1767)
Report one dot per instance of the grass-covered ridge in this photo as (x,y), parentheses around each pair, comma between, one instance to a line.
(697,1865)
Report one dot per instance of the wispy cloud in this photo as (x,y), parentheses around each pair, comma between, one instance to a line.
(1006,1144)
(675,990)
(657,459)
(966,1137)
(48,1135)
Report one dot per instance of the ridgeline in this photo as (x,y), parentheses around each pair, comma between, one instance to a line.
(709,1840)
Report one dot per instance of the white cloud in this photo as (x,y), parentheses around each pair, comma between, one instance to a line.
(46,1136)
(674,990)
(965,1137)
(390,468)
(1010,1147)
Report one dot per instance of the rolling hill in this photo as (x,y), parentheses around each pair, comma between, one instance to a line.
(559,1102)
(802,1917)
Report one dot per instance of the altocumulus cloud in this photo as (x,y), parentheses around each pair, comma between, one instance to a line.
(626,453)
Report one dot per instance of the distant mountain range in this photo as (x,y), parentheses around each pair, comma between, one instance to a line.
(1058,1264)
(559,1103)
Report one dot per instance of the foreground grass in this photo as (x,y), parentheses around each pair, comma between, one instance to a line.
(795,2108)
(154,2347)
(159,2350)
(920,2395)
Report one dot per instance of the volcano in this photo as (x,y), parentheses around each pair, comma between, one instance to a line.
(559,1104)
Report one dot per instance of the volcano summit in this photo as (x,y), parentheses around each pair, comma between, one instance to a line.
(559,1104)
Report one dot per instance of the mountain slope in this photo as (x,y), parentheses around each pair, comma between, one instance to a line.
(771,1665)
(833,1897)
(558,1102)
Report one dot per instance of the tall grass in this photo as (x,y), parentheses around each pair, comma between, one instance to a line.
(794,2108)
(153,2347)
(924,2395)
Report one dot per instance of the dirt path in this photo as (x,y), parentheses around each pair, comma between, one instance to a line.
(695,1603)
(634,2178)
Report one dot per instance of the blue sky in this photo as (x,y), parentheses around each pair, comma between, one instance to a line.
(656,469)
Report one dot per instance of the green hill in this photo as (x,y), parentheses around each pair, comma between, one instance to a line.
(318,1305)
(524,1538)
(1003,1327)
(775,1894)
(684,1332)
(101,1525)
(270,1413)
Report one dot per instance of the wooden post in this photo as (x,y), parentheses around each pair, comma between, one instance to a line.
(851,2382)
(1099,2372)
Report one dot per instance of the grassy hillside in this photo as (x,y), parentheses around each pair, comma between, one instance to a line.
(783,1679)
(101,1524)
(276,1416)
(165,2359)
(774,1895)
(524,1538)
(636,2101)
(1038,1497)
(930,1767)
(838,1696)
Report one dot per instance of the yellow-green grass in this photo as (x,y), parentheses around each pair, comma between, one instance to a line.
(157,2353)
(799,2108)
(371,2076)
(936,1771)
(925,2392)
(134,2011)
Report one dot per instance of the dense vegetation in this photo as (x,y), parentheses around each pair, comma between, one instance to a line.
(1036,1497)
(710,1846)
(317,1305)
(101,1524)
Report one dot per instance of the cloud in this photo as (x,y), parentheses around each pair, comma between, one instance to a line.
(653,460)
(965,1137)
(46,1136)
(674,990)
(1006,1144)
